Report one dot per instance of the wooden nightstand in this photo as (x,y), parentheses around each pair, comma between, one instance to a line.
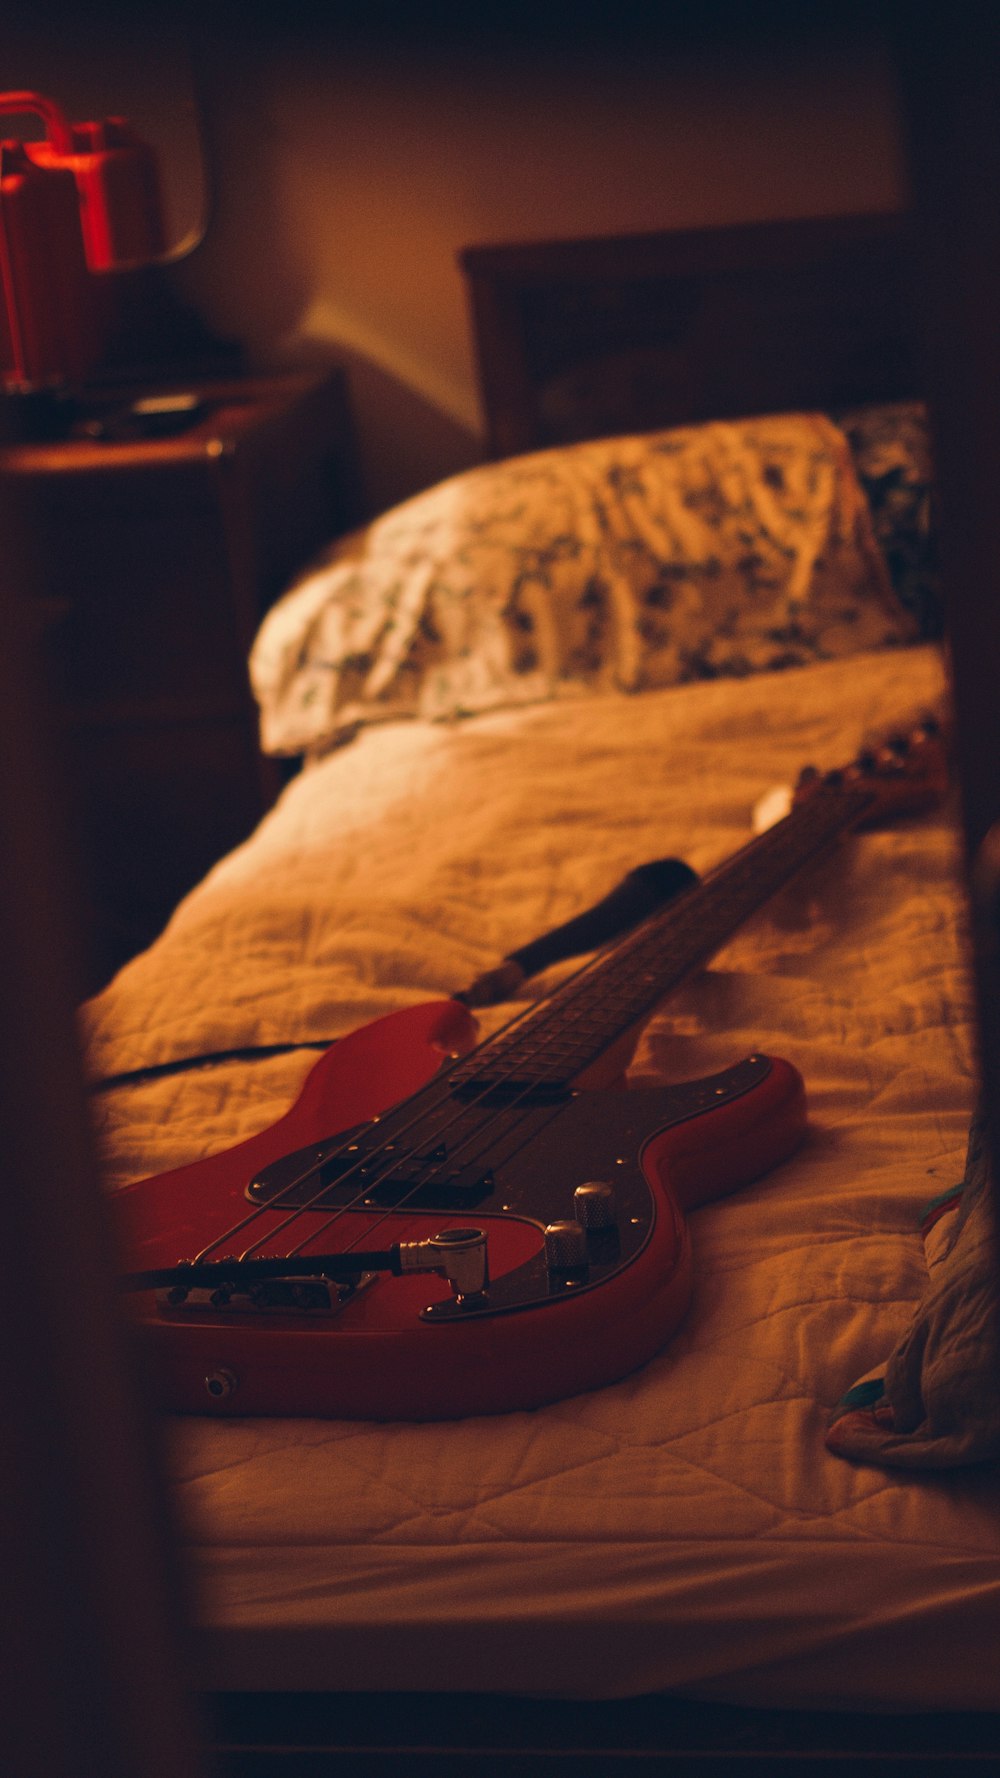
(152,561)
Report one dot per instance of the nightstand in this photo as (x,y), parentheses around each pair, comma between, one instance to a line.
(151,561)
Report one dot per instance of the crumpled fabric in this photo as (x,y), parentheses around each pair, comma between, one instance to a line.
(936,1403)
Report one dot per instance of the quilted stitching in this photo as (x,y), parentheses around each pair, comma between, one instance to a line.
(696,1496)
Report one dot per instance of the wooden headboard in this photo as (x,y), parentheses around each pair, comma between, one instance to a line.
(578,339)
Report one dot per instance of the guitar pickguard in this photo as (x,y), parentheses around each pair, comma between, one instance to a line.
(594,1136)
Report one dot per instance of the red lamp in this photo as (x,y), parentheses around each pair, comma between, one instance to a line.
(84,201)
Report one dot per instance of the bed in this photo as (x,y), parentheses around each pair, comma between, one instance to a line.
(726,1553)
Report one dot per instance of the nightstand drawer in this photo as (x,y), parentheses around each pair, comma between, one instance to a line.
(152,810)
(150,563)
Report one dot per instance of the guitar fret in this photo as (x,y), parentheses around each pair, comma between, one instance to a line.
(615,990)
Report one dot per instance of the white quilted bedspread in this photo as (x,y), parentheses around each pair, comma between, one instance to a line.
(684,1530)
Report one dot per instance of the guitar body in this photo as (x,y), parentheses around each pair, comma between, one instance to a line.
(403,1347)
(441,1227)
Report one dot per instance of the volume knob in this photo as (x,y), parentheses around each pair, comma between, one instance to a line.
(594,1204)
(565,1247)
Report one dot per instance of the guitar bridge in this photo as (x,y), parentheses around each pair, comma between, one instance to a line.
(321,1297)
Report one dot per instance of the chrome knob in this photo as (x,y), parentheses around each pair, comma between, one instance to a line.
(594,1204)
(565,1247)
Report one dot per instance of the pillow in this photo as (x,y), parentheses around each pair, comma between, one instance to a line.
(935,1403)
(627,563)
(891,449)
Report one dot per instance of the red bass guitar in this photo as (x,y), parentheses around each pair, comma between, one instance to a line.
(438,1228)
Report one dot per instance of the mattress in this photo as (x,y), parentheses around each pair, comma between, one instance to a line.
(684,1530)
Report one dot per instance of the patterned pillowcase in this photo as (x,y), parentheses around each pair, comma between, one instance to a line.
(891,448)
(627,563)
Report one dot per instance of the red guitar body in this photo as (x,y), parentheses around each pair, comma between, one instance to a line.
(300,1272)
(399,1347)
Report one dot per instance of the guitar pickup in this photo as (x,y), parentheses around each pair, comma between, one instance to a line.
(461,1189)
(475,1089)
(335,1177)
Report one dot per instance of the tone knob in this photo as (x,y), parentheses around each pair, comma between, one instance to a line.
(565,1247)
(594,1204)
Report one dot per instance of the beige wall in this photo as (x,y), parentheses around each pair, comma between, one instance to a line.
(347,177)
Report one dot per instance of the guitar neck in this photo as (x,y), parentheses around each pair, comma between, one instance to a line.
(573,1026)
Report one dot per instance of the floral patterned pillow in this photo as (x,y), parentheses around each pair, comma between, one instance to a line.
(628,563)
(891,448)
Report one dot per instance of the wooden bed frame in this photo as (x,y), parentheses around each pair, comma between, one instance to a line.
(584,339)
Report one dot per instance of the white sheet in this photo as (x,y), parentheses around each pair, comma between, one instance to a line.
(684,1530)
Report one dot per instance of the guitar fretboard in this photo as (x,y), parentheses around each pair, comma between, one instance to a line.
(558,1039)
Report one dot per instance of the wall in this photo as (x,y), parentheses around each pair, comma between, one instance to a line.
(348,169)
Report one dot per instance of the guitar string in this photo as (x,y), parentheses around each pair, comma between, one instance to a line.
(393,1209)
(428,1098)
(556,1009)
(501,1113)
(641,948)
(443,1098)
(432,1098)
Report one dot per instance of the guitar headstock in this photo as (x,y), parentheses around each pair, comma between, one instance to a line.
(906,774)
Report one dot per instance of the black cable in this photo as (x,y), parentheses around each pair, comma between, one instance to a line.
(637,896)
(249,1053)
